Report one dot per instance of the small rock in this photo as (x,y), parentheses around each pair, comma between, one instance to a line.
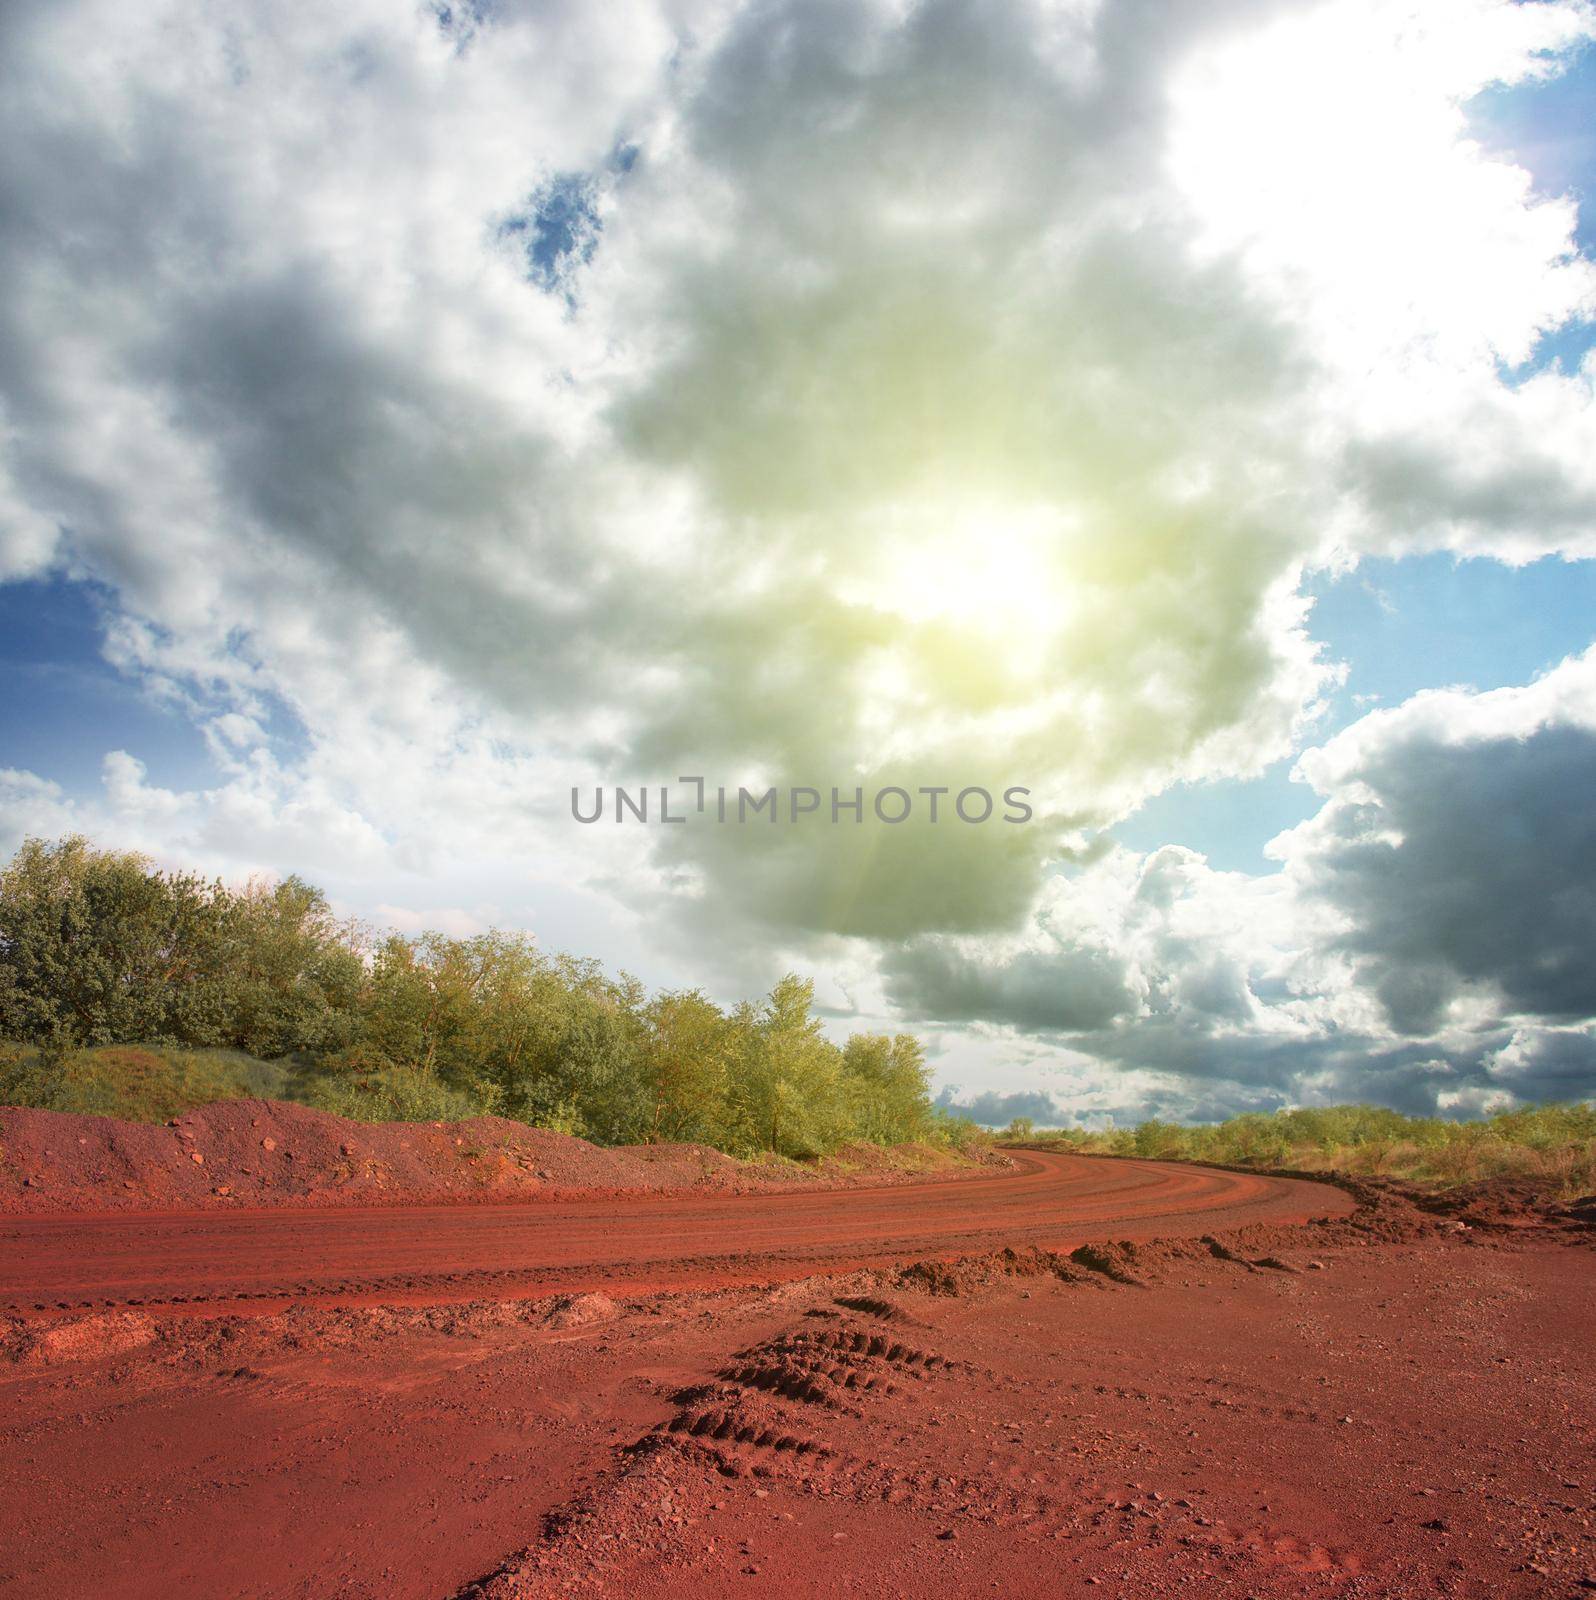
(268,1144)
(1316,1266)
(948,1533)
(196,1158)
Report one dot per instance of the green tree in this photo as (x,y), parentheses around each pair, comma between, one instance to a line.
(886,1087)
(788,1092)
(299,971)
(98,948)
(688,1053)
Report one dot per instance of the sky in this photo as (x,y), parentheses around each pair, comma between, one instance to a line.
(1183,410)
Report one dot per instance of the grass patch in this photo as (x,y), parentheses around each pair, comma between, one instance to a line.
(133,1082)
(388,1094)
(1553,1146)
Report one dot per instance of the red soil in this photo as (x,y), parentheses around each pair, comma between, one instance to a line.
(241,1153)
(264,1258)
(1383,1403)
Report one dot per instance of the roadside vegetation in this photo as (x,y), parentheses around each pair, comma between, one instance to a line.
(1555,1145)
(133,992)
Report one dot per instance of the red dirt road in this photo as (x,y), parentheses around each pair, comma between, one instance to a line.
(1392,1405)
(265,1259)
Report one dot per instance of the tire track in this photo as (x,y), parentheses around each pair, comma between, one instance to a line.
(207,1261)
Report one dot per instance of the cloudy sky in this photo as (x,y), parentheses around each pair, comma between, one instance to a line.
(1184,409)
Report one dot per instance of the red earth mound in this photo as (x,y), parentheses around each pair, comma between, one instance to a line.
(251,1153)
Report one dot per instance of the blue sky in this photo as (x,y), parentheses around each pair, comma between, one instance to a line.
(66,706)
(1429,621)
(1549,129)
(1399,626)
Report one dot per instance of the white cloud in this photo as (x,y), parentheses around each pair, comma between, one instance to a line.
(1427,935)
(924,393)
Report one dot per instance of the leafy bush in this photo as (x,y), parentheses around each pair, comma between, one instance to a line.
(392,1094)
(28,1077)
(957,1133)
(141,1085)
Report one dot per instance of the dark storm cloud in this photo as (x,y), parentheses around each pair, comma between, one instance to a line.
(994,1110)
(1471,865)
(1035,992)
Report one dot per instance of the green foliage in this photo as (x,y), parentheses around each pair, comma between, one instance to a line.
(886,1087)
(688,1057)
(390,1094)
(29,1077)
(138,1085)
(787,1090)
(299,973)
(958,1133)
(1555,1142)
(99,948)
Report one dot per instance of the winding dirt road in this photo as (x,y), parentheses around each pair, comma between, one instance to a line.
(263,1260)
(1397,1409)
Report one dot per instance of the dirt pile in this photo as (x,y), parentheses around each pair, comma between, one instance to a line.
(114,1333)
(248,1153)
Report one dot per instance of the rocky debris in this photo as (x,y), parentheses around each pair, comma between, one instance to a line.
(1113,1261)
(93,1338)
(579,1310)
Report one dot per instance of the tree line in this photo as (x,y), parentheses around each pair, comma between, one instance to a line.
(98,947)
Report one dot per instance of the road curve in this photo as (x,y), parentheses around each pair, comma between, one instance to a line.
(262,1260)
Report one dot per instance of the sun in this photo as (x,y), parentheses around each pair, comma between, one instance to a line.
(988,573)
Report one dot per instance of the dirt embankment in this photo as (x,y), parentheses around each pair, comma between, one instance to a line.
(249,1153)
